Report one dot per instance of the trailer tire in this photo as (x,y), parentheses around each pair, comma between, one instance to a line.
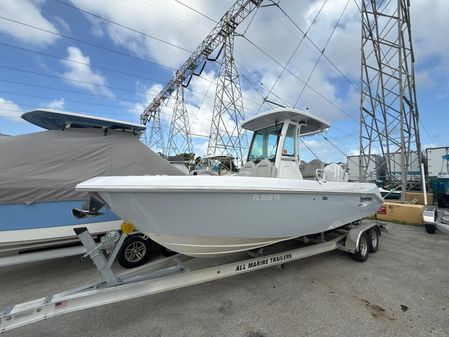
(362,252)
(373,240)
(166,252)
(430,228)
(135,251)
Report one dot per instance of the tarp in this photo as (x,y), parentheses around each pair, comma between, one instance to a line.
(46,166)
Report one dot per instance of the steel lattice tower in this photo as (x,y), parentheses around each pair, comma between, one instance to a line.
(388,107)
(224,28)
(226,135)
(156,135)
(179,138)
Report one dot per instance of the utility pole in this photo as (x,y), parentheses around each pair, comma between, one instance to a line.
(388,107)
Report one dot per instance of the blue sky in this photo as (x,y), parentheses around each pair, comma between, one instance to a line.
(38,69)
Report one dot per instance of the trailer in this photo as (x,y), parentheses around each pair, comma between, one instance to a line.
(137,250)
(173,272)
(436,218)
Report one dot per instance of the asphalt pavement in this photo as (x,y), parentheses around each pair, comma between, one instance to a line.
(402,290)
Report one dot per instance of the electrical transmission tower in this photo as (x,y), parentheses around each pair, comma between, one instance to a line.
(388,107)
(155,138)
(226,135)
(224,30)
(179,138)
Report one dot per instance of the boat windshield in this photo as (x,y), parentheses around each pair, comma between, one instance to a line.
(265,143)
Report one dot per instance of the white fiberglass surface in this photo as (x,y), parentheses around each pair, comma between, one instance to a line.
(222,183)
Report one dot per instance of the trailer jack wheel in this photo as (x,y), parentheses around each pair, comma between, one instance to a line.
(430,228)
(135,251)
(362,252)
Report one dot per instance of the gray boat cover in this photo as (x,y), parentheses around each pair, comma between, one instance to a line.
(46,166)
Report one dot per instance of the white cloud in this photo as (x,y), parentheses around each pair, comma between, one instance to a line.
(57,104)
(29,12)
(166,20)
(81,74)
(10,110)
(62,24)
(200,148)
(271,31)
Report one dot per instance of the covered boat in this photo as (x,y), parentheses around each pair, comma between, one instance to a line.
(39,172)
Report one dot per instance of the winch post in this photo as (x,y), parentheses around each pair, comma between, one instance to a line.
(97,256)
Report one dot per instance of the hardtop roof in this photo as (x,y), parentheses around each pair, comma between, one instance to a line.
(57,120)
(312,123)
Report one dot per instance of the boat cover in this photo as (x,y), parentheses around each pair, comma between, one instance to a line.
(46,166)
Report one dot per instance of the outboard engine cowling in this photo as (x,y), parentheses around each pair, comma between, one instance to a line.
(334,172)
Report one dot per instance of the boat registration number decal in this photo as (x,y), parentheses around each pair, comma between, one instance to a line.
(263,262)
(266,197)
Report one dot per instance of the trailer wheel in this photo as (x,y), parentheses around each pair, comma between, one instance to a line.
(362,252)
(373,240)
(430,228)
(135,251)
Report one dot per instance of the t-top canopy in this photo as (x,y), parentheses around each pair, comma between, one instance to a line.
(57,120)
(312,124)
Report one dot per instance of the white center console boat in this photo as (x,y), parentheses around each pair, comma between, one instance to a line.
(266,203)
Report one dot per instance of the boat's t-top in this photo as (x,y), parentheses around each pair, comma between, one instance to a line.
(60,120)
(274,150)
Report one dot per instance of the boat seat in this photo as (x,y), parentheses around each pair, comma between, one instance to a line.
(289,169)
(265,168)
(247,170)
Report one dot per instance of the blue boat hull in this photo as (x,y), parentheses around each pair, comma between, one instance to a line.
(22,224)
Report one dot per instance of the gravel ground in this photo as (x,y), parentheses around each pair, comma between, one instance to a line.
(402,290)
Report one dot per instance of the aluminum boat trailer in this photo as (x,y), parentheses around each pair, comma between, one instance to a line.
(436,218)
(172,273)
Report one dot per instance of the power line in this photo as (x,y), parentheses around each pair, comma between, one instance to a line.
(322,51)
(123,26)
(79,62)
(52,98)
(296,49)
(194,25)
(84,42)
(196,11)
(67,79)
(261,84)
(95,84)
(95,113)
(278,63)
(307,146)
(301,80)
(335,146)
(67,90)
(318,48)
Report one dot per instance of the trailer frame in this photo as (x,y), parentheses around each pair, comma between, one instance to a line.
(166,274)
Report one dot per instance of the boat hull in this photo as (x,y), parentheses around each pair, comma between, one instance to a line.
(201,246)
(47,224)
(221,210)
